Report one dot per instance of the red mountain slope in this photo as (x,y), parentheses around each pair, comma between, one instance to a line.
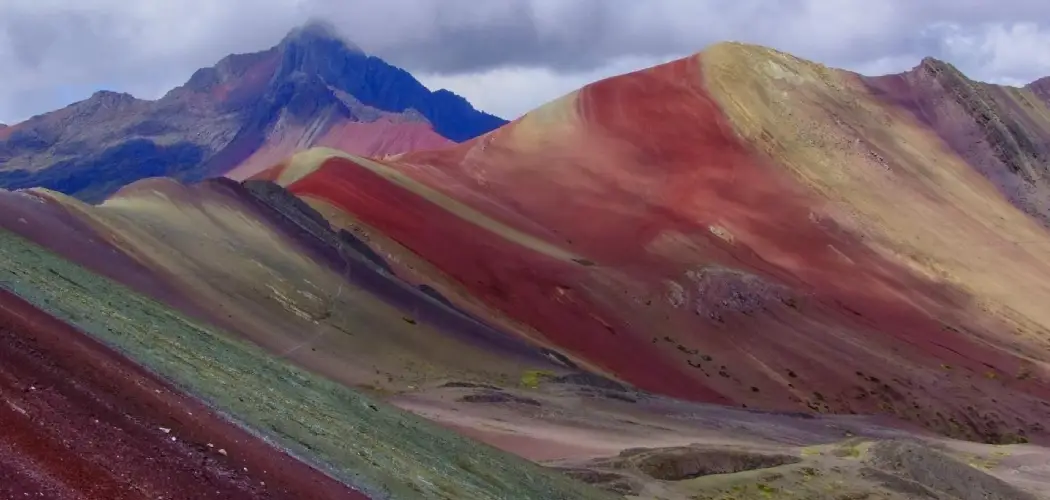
(682,229)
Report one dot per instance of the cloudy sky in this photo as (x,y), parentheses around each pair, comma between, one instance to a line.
(506,56)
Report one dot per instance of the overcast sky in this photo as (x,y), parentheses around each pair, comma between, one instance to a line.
(505,56)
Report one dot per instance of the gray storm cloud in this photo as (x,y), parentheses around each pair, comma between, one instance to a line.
(50,49)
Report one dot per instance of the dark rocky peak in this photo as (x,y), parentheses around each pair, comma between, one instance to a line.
(316,48)
(305,48)
(451,97)
(103,103)
(110,98)
(318,33)
(231,68)
(305,94)
(936,68)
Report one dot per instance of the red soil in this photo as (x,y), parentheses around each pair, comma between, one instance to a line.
(636,187)
(671,163)
(81,422)
(383,137)
(375,139)
(521,283)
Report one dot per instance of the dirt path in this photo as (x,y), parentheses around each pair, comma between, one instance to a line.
(79,421)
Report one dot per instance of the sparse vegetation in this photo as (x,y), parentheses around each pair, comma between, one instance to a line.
(386,452)
(533,378)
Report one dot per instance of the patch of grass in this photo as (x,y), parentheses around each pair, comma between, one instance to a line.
(533,378)
(383,451)
(767,490)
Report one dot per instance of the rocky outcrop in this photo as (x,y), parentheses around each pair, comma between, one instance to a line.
(1003,131)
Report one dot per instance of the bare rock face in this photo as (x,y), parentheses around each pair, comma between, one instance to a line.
(997,129)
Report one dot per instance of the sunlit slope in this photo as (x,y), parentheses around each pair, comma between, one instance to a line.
(739,226)
(894,183)
(1001,131)
(222,255)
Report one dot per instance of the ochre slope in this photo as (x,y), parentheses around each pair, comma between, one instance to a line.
(738,226)
(220,254)
(378,450)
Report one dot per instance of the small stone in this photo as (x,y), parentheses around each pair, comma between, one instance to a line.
(173,438)
(211,445)
(222,452)
(165,430)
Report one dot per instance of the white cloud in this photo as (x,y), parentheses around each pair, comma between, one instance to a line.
(1014,53)
(512,91)
(506,56)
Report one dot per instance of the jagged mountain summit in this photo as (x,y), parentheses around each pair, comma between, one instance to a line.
(247,111)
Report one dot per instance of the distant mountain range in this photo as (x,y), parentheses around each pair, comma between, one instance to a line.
(313,88)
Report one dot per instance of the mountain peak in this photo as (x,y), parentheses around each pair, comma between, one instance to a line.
(934,66)
(318,32)
(105,100)
(109,95)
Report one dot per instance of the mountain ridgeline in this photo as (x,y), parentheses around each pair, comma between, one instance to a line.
(312,82)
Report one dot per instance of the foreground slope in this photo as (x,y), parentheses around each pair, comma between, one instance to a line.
(250,260)
(739,227)
(80,421)
(383,452)
(313,88)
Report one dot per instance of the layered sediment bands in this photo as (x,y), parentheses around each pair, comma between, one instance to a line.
(895,185)
(79,421)
(260,263)
(731,227)
(520,281)
(1001,131)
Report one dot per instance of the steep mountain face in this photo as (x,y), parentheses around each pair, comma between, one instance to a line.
(749,228)
(1004,132)
(311,89)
